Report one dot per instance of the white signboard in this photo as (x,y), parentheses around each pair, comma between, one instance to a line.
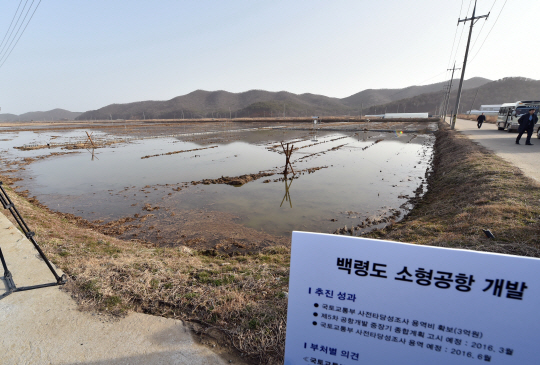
(360,301)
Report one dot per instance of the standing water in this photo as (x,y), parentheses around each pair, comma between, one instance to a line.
(207,190)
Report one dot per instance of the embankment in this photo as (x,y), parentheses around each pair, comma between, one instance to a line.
(472,189)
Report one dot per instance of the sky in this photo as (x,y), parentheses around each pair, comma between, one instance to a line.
(81,55)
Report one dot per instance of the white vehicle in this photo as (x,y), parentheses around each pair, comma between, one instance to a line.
(509,114)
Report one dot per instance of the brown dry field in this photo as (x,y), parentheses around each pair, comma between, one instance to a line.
(491,119)
(242,299)
(53,124)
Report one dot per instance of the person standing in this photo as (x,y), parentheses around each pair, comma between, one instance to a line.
(526,124)
(481,119)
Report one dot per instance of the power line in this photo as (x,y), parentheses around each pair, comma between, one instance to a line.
(18,30)
(10,24)
(473,20)
(483,24)
(29,20)
(452,49)
(489,32)
(17,22)
(455,34)
(419,84)
(447,98)
(462,30)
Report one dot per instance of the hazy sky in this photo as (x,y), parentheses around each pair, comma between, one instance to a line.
(81,55)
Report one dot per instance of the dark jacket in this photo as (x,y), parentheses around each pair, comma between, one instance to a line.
(525,123)
(481,118)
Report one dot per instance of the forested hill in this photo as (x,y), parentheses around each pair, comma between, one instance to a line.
(506,90)
(372,97)
(259,103)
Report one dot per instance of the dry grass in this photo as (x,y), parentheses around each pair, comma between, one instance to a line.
(242,297)
(472,189)
(492,119)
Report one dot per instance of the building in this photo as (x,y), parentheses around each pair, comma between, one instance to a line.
(486,109)
(406,115)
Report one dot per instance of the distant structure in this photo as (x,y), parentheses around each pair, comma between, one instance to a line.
(486,109)
(405,115)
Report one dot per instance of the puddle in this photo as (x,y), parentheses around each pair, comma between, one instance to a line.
(359,179)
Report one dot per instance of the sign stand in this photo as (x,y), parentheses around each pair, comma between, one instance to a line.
(12,288)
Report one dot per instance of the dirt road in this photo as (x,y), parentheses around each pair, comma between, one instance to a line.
(527,158)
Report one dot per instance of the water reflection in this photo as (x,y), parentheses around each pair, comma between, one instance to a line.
(92,152)
(287,196)
(314,136)
(337,172)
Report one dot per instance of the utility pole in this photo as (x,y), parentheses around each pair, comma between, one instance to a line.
(447,101)
(458,97)
(443,101)
(477,90)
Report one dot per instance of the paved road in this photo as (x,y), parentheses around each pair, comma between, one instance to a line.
(44,326)
(527,158)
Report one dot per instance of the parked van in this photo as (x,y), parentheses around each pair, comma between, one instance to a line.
(509,114)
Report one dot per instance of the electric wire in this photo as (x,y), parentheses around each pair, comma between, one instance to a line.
(431,78)
(17,22)
(493,26)
(457,47)
(10,24)
(451,51)
(419,84)
(454,41)
(29,20)
(462,30)
(483,24)
(18,30)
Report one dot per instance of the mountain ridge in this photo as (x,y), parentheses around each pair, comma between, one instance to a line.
(56,114)
(508,89)
(261,103)
(257,103)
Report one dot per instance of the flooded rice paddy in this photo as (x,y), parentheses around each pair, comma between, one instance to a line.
(221,189)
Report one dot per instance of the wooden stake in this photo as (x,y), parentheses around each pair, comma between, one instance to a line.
(90,138)
(288,152)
